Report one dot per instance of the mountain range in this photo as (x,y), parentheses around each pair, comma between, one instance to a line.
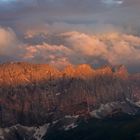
(36,99)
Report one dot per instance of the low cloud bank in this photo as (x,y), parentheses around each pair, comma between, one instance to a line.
(72,48)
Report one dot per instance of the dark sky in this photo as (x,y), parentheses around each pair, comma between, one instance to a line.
(62,32)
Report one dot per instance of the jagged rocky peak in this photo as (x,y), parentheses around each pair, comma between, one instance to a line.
(82,71)
(24,73)
(121,71)
(118,70)
(85,67)
(69,71)
(15,73)
(105,70)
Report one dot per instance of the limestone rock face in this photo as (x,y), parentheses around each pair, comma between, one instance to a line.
(38,93)
(80,71)
(121,72)
(20,73)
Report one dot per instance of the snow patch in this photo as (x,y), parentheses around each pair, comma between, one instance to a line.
(70,126)
(54,122)
(40,131)
(71,117)
(127,106)
(57,94)
(138,104)
(1,134)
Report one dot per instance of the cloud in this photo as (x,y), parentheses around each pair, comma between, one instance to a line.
(8,41)
(74,47)
(115,48)
(31,32)
(57,55)
(81,14)
(95,49)
(11,47)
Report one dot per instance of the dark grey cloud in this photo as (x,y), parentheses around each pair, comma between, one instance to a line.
(24,13)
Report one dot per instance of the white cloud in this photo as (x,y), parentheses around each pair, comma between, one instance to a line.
(76,47)
(8,41)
